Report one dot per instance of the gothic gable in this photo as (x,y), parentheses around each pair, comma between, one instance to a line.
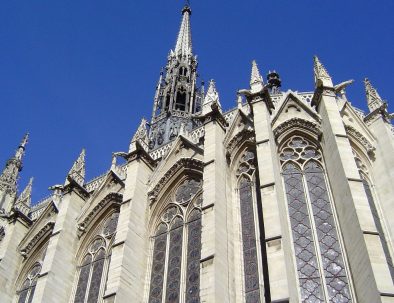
(40,230)
(293,107)
(182,148)
(110,190)
(356,129)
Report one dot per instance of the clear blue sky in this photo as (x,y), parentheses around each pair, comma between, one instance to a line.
(82,73)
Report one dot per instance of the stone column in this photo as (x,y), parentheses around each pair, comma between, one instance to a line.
(362,243)
(127,272)
(57,276)
(214,253)
(273,206)
(10,258)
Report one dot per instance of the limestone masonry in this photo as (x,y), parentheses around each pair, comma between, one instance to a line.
(288,197)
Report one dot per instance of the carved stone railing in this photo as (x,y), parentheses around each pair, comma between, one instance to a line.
(161,152)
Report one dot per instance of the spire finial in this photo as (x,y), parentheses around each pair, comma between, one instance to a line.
(25,196)
(183,44)
(77,171)
(322,78)
(373,98)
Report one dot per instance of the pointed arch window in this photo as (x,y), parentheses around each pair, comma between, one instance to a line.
(319,257)
(249,232)
(26,292)
(94,266)
(177,248)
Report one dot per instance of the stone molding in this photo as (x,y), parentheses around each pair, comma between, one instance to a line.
(45,230)
(115,198)
(296,123)
(183,163)
(246,135)
(351,131)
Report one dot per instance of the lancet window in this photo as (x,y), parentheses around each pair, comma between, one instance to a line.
(93,269)
(28,288)
(248,216)
(322,274)
(375,213)
(177,248)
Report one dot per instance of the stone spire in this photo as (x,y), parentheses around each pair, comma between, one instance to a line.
(322,78)
(183,44)
(177,98)
(10,174)
(256,80)
(373,98)
(25,196)
(77,171)
(211,97)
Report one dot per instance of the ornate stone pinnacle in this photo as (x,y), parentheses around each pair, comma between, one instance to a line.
(373,98)
(211,97)
(25,196)
(77,171)
(322,78)
(255,76)
(9,176)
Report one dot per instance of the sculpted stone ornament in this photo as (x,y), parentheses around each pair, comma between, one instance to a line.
(77,171)
(9,177)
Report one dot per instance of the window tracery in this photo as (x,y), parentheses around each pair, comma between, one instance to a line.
(245,174)
(177,248)
(92,270)
(319,257)
(28,288)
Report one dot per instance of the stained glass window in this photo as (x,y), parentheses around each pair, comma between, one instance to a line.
(91,271)
(245,173)
(26,292)
(181,219)
(319,256)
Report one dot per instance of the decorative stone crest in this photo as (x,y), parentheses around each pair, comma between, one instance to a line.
(294,124)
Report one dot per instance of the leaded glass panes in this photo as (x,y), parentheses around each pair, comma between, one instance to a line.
(193,257)
(245,173)
(29,285)
(174,261)
(304,247)
(313,225)
(91,271)
(168,266)
(333,264)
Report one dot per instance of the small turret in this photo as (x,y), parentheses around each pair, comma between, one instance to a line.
(274,82)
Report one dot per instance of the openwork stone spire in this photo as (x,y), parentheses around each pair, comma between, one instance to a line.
(322,78)
(256,80)
(9,177)
(77,171)
(184,42)
(25,196)
(178,98)
(212,97)
(373,98)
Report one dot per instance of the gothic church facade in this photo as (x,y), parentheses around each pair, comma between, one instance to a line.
(288,197)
